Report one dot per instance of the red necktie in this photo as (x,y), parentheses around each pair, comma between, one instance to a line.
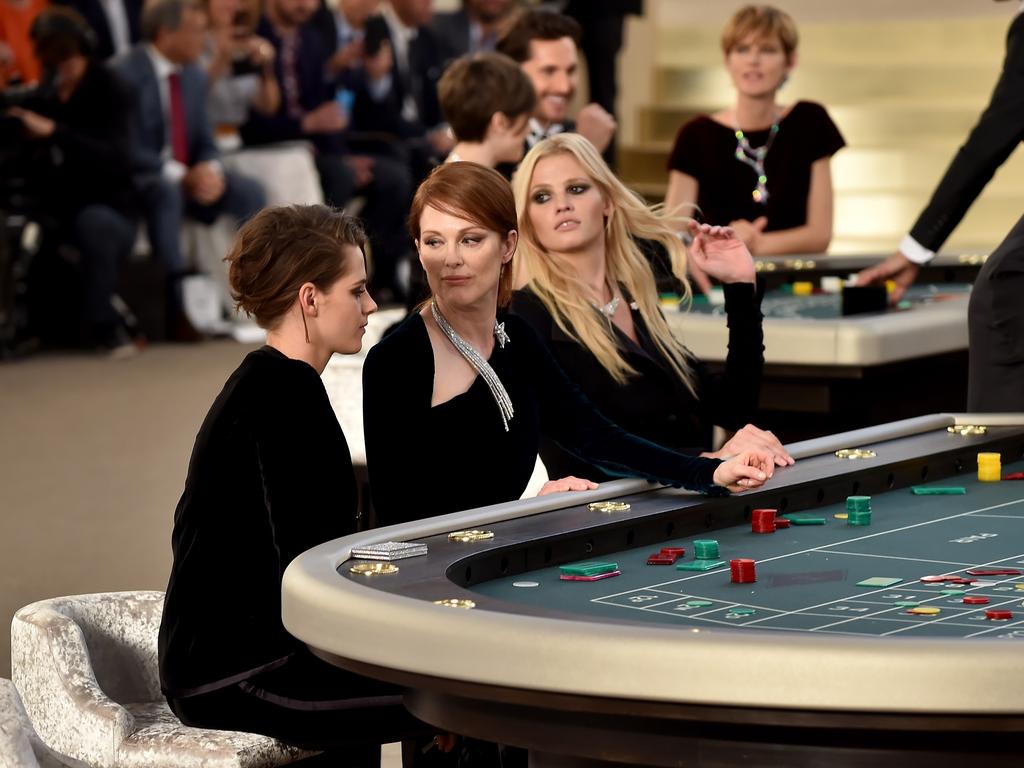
(179,137)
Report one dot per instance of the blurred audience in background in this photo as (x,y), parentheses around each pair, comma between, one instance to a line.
(210,109)
(176,164)
(116,23)
(18,62)
(474,28)
(79,137)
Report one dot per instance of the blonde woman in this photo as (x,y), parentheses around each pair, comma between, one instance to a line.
(588,291)
(761,166)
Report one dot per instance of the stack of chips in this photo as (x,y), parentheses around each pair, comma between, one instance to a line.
(990,467)
(588,571)
(763,520)
(705,553)
(705,549)
(858,510)
(743,571)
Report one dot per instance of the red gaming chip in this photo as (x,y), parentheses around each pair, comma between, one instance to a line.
(743,570)
(674,551)
(782,522)
(976,600)
(763,520)
(661,559)
(998,615)
(994,572)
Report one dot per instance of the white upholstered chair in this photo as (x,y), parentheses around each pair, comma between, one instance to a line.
(20,746)
(86,669)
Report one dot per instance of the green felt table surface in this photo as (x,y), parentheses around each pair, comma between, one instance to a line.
(807,575)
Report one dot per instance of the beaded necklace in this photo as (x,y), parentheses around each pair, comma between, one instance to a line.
(755,159)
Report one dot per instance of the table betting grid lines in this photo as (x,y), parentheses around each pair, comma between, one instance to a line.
(850,614)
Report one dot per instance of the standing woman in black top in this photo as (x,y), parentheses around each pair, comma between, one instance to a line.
(589,293)
(456,399)
(270,477)
(762,167)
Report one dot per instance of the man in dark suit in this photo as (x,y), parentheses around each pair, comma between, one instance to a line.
(176,164)
(403,63)
(602,22)
(116,23)
(996,311)
(473,29)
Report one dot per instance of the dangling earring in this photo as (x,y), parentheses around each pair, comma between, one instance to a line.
(305,327)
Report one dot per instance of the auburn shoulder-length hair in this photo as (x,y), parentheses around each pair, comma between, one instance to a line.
(475,193)
(563,291)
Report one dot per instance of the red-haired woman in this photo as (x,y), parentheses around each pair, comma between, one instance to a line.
(271,477)
(456,399)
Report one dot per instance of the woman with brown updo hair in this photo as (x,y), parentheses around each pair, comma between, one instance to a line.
(270,477)
(456,399)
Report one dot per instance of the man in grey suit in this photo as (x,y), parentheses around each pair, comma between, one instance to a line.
(175,162)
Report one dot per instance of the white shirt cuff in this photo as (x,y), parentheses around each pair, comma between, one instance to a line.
(174,171)
(915,252)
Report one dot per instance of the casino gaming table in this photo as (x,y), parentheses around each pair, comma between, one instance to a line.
(826,373)
(776,271)
(661,666)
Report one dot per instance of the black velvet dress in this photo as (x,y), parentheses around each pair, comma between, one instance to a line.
(425,461)
(656,404)
(270,477)
(705,149)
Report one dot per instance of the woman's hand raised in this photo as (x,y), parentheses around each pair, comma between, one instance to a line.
(718,252)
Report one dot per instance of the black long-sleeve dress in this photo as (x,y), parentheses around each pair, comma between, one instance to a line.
(270,477)
(425,461)
(656,404)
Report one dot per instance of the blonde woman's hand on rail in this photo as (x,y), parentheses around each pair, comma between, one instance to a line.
(748,470)
(751,438)
(569,483)
(719,253)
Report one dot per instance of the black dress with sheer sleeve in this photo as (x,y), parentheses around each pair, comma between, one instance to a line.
(425,461)
(656,402)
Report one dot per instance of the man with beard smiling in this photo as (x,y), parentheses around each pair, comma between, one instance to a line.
(545,44)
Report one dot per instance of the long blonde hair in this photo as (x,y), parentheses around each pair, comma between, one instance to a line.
(564,293)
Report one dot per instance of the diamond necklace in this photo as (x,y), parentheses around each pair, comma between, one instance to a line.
(476,360)
(755,159)
(609,309)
